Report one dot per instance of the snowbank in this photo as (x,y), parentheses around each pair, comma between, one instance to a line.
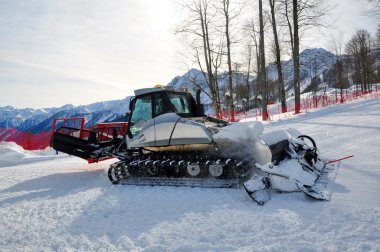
(12,154)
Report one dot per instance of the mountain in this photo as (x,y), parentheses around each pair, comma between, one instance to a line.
(12,117)
(195,79)
(314,64)
(39,120)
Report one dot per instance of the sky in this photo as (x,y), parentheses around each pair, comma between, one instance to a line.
(56,52)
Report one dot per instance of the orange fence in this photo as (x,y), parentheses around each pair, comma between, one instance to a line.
(307,103)
(39,141)
(28,141)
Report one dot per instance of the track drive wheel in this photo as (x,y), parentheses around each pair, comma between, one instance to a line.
(193,170)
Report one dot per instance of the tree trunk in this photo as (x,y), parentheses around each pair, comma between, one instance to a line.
(289,24)
(296,59)
(229,63)
(263,77)
(207,55)
(257,88)
(247,80)
(278,59)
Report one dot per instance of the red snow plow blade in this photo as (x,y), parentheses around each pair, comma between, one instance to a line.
(93,144)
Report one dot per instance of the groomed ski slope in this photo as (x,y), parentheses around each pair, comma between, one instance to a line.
(61,203)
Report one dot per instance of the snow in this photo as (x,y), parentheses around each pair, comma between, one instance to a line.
(12,154)
(240,131)
(66,204)
(291,169)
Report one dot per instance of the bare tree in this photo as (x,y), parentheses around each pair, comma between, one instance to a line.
(296,58)
(248,71)
(217,62)
(377,43)
(253,35)
(377,56)
(251,54)
(374,8)
(305,14)
(241,89)
(336,45)
(281,84)
(229,14)
(196,28)
(359,48)
(287,14)
(262,73)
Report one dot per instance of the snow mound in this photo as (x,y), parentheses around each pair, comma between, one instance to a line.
(238,139)
(12,154)
(237,132)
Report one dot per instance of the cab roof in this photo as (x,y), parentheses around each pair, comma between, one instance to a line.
(147,90)
(143,91)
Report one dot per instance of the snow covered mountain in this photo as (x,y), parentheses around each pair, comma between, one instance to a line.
(38,120)
(314,63)
(12,117)
(196,76)
(195,79)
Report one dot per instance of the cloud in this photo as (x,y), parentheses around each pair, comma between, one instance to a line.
(349,16)
(123,45)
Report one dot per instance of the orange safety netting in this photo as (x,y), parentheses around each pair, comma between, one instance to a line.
(28,141)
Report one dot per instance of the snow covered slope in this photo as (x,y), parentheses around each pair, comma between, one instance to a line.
(65,204)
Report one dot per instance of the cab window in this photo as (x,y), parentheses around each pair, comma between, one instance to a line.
(180,103)
(158,105)
(142,112)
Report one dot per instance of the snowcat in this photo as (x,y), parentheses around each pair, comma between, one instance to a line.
(169,141)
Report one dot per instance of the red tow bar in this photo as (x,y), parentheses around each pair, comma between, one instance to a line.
(340,159)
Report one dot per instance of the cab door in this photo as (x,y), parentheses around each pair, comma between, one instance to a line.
(142,112)
(142,130)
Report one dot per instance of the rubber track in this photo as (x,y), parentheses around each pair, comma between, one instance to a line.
(118,173)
